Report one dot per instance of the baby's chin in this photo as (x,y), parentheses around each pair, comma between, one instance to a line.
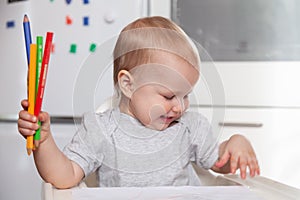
(159,127)
(161,123)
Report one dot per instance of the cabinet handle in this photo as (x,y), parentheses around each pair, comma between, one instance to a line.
(241,124)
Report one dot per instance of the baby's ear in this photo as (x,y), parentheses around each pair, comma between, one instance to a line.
(125,81)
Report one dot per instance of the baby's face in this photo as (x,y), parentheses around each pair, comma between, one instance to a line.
(161,90)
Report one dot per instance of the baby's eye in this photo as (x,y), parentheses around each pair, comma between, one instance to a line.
(169,97)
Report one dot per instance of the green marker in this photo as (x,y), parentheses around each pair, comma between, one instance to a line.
(39,58)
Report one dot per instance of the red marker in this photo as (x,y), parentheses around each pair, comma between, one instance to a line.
(43,75)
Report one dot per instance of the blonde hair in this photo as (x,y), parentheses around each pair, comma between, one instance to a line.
(138,40)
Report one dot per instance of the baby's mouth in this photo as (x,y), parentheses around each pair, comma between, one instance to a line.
(167,119)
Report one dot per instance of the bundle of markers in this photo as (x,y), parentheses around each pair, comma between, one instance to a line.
(37,61)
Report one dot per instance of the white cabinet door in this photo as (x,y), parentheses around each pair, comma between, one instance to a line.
(19,177)
(268,84)
(274,134)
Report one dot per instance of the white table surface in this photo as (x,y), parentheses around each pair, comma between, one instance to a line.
(263,187)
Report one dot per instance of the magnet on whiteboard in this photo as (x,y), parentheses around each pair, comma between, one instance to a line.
(86,21)
(73,48)
(93,47)
(110,17)
(10,24)
(69,20)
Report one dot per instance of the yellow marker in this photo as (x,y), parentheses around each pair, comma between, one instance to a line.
(31,91)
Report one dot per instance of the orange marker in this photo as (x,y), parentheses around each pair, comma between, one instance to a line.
(31,92)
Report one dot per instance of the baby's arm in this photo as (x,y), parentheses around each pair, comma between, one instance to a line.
(237,153)
(53,166)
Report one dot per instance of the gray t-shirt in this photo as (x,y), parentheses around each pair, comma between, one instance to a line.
(126,153)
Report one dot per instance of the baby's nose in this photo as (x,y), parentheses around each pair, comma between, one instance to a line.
(178,105)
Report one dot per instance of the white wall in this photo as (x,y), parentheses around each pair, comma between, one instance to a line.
(160,8)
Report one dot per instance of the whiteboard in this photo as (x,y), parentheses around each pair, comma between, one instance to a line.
(105,21)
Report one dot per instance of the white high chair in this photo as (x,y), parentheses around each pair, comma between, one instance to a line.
(263,187)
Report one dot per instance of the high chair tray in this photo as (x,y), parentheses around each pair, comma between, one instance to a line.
(264,188)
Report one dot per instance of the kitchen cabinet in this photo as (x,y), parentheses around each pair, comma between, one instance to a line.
(234,30)
(274,134)
(249,75)
(260,100)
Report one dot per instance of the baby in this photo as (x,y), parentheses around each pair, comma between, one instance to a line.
(149,139)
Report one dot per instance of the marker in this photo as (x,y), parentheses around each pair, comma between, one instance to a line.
(31,92)
(39,57)
(27,35)
(43,75)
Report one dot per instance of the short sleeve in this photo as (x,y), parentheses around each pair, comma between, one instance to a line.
(204,145)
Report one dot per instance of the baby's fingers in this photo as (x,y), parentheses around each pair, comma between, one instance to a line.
(25,104)
(27,127)
(27,123)
(223,160)
(254,167)
(233,163)
(249,162)
(243,166)
(237,161)
(26,132)
(24,115)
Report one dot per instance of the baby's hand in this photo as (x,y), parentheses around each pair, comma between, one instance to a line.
(237,153)
(27,123)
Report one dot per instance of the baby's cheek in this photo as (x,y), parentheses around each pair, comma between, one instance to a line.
(155,111)
(154,114)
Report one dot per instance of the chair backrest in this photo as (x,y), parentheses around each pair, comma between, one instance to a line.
(109,103)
